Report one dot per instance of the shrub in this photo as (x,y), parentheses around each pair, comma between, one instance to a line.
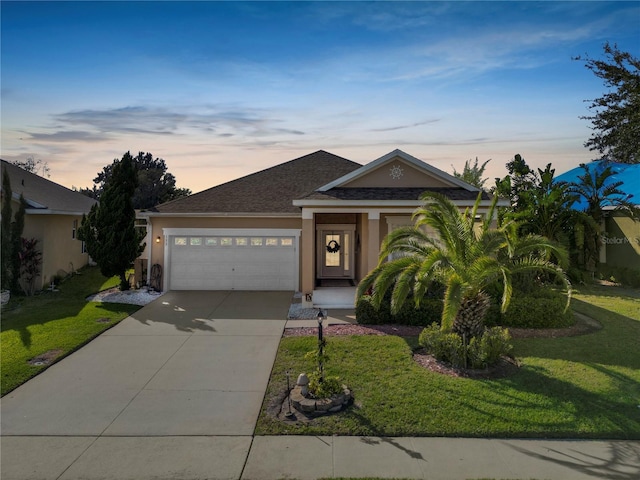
(30,261)
(629,277)
(543,309)
(430,311)
(494,316)
(366,313)
(328,387)
(487,350)
(539,307)
(444,346)
(577,276)
(479,353)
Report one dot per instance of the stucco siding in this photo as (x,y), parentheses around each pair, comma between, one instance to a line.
(60,252)
(622,242)
(406,176)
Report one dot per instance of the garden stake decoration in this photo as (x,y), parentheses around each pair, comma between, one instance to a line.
(289,413)
(321,317)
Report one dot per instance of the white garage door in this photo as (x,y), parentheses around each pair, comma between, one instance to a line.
(227,261)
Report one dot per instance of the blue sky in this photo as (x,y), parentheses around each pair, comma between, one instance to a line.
(224,89)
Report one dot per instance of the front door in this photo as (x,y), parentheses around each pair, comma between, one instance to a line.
(335,253)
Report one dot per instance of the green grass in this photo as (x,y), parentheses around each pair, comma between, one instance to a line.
(573,387)
(61,320)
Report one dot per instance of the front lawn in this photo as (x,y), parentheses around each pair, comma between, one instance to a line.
(574,387)
(54,321)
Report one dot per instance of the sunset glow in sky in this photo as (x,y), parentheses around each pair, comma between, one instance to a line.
(224,89)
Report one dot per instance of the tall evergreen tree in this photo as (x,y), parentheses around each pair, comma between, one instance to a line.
(17,227)
(5,231)
(12,228)
(109,229)
(155,184)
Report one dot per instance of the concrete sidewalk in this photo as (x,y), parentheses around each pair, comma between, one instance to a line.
(309,458)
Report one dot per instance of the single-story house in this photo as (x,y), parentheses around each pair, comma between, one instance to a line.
(311,222)
(52,216)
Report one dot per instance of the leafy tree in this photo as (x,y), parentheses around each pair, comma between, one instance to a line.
(514,186)
(109,229)
(32,165)
(472,174)
(599,192)
(466,259)
(155,184)
(546,207)
(616,115)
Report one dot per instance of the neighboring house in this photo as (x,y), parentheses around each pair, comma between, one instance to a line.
(311,222)
(53,215)
(621,234)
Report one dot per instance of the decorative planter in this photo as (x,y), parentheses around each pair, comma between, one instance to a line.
(5,295)
(320,406)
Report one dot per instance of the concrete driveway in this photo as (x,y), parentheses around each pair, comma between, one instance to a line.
(173,391)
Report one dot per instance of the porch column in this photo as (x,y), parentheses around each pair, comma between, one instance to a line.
(373,241)
(307,257)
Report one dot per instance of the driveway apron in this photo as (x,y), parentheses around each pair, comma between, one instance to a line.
(183,377)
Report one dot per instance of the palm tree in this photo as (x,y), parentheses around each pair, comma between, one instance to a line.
(472,174)
(466,258)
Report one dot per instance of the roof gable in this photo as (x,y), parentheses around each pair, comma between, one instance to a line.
(269,191)
(43,195)
(398,169)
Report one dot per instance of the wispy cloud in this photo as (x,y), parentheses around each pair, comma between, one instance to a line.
(402,127)
(124,120)
(470,45)
(212,119)
(65,136)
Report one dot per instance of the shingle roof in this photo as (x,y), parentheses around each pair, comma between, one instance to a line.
(45,195)
(268,191)
(377,193)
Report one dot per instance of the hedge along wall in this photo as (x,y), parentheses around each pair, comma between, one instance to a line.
(543,308)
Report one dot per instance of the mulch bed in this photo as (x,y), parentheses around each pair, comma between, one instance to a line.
(350,329)
(582,326)
(505,367)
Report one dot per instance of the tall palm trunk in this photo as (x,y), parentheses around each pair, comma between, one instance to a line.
(469,321)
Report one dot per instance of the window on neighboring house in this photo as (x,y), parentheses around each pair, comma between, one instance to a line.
(84,247)
(74,229)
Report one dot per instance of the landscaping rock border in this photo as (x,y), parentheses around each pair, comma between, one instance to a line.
(320,406)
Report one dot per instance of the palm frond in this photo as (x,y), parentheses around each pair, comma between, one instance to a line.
(452,301)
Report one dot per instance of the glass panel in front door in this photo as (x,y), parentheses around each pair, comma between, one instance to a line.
(332,259)
(346,250)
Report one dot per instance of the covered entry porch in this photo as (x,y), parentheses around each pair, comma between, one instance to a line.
(339,247)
